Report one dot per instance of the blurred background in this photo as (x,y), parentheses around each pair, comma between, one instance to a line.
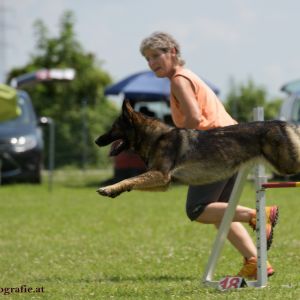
(66,58)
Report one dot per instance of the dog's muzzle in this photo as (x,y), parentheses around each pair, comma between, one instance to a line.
(118,144)
(106,139)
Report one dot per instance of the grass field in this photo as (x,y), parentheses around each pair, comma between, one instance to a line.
(74,244)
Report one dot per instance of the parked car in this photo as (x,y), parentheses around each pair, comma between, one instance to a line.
(21,144)
(290,112)
(290,108)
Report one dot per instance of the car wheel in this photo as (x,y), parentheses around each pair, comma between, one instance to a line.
(35,176)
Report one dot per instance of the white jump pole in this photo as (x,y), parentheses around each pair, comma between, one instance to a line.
(224,227)
(261,244)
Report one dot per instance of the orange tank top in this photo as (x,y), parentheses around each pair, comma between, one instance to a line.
(213,113)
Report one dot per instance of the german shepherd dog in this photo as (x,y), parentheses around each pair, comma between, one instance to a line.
(196,157)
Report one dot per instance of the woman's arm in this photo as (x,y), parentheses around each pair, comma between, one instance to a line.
(183,91)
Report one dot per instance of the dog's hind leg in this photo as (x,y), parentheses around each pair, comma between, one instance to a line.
(150,180)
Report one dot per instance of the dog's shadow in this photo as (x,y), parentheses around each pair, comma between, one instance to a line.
(120,279)
(148,278)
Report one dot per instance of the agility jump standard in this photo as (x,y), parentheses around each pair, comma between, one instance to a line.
(261,186)
(262,278)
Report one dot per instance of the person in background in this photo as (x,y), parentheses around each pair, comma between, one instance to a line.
(195,106)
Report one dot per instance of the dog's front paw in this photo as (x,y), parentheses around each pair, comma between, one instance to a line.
(108,192)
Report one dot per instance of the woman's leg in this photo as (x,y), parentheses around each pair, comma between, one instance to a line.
(214,212)
(238,235)
(241,240)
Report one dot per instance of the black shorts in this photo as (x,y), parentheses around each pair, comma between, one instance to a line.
(199,196)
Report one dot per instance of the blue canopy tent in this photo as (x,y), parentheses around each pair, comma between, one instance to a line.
(145,86)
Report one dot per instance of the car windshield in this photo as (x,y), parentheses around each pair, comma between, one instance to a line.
(24,119)
(296,110)
(292,87)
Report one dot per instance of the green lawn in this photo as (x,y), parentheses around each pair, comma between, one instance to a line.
(77,245)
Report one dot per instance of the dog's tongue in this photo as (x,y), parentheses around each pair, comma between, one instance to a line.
(115,146)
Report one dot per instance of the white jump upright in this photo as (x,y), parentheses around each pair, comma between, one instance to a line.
(228,217)
(261,244)
(224,227)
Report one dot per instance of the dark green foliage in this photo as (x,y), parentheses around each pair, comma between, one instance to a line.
(79,109)
(243,98)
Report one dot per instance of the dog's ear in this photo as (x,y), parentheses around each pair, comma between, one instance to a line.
(127,109)
(126,106)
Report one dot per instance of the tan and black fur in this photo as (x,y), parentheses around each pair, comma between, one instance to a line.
(197,157)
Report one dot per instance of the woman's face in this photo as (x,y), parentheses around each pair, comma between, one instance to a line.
(161,63)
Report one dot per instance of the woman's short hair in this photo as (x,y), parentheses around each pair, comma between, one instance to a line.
(161,41)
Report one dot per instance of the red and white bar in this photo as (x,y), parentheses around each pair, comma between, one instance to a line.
(273,185)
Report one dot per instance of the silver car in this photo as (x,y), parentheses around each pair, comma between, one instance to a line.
(21,145)
(290,109)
